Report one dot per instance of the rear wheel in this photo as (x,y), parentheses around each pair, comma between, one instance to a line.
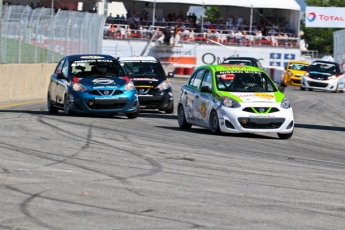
(285,135)
(171,110)
(133,115)
(214,122)
(51,108)
(181,117)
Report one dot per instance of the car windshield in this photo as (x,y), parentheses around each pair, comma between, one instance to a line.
(239,62)
(96,68)
(149,68)
(323,68)
(244,81)
(298,66)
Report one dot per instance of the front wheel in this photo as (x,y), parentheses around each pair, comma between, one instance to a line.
(214,122)
(171,110)
(285,135)
(181,117)
(133,115)
(302,88)
(66,107)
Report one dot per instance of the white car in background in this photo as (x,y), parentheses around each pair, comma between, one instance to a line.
(324,75)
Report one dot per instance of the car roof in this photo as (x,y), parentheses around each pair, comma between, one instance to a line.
(327,62)
(89,56)
(133,58)
(230,67)
(299,62)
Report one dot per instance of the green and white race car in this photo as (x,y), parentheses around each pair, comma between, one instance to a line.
(234,99)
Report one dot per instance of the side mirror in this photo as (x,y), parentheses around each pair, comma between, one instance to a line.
(170,74)
(206,89)
(130,74)
(281,89)
(61,76)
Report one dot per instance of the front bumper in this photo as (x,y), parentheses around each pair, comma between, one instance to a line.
(295,81)
(156,100)
(242,120)
(329,85)
(86,103)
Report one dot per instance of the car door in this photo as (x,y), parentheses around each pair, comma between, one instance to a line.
(54,81)
(61,86)
(190,91)
(202,101)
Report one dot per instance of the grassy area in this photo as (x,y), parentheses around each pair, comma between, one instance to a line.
(21,52)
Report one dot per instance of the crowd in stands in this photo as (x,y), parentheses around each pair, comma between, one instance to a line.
(187,27)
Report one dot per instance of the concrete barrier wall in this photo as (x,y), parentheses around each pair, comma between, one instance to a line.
(24,81)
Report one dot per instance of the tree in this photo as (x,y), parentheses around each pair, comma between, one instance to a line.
(212,13)
(321,39)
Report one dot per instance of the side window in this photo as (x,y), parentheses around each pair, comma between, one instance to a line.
(207,80)
(65,68)
(196,78)
(59,66)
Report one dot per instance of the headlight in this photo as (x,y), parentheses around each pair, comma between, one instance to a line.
(289,73)
(230,103)
(333,77)
(78,87)
(164,85)
(285,103)
(129,86)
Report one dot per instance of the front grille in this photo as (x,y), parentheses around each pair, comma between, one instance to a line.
(261,123)
(317,84)
(295,81)
(106,92)
(107,103)
(257,109)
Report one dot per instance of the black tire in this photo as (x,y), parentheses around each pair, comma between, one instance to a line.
(171,110)
(181,118)
(66,108)
(51,108)
(285,135)
(310,89)
(302,88)
(214,122)
(133,115)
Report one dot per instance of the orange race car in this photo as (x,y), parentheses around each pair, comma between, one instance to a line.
(293,72)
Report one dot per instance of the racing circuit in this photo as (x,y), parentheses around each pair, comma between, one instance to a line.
(99,172)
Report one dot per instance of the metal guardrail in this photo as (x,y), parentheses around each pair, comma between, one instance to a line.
(41,36)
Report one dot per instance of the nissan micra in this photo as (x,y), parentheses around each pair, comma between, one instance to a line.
(234,99)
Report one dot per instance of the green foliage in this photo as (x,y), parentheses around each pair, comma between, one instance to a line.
(212,13)
(321,39)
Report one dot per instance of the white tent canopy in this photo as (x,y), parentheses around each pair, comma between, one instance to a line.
(285,4)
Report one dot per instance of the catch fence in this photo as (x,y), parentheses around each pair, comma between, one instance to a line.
(41,36)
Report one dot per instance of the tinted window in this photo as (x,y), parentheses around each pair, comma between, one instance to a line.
(207,80)
(196,78)
(88,68)
(144,68)
(239,62)
(324,68)
(298,66)
(244,81)
(59,66)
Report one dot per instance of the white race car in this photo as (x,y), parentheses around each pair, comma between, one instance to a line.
(324,75)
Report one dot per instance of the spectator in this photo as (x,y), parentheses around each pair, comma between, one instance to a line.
(128,15)
(239,20)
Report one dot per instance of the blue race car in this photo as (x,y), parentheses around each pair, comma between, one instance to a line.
(91,84)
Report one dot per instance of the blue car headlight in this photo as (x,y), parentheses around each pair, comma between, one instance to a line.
(78,87)
(129,86)
(285,103)
(230,103)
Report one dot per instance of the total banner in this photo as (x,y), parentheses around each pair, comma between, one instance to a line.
(325,17)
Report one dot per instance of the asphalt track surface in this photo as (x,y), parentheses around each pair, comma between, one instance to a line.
(101,172)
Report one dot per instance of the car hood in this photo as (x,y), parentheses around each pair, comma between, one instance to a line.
(144,81)
(319,75)
(297,72)
(244,97)
(103,83)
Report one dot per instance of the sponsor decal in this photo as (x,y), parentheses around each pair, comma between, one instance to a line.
(91,57)
(261,116)
(144,79)
(311,17)
(202,109)
(261,95)
(102,87)
(103,81)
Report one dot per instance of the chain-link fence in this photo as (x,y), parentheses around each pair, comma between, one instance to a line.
(43,36)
